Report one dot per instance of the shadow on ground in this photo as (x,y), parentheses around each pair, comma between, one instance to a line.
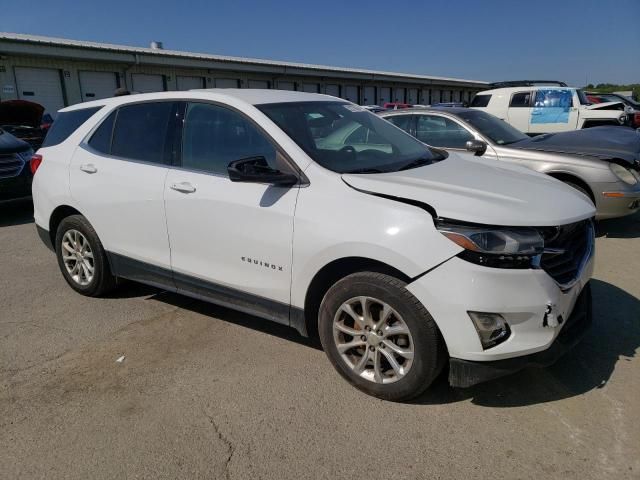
(625,227)
(16,212)
(614,337)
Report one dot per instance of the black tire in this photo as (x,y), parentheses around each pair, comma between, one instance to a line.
(581,189)
(103,280)
(429,351)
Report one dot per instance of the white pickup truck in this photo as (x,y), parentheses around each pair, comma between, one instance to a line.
(535,109)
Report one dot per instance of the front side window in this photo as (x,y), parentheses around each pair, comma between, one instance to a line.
(66,123)
(442,132)
(346,138)
(521,100)
(215,136)
(552,106)
(141,131)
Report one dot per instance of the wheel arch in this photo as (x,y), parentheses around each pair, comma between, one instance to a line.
(60,213)
(570,177)
(329,275)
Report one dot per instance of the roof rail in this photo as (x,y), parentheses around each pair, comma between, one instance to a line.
(527,83)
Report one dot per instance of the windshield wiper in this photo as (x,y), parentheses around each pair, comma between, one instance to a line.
(416,163)
(365,170)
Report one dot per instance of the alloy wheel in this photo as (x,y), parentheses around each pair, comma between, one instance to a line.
(78,257)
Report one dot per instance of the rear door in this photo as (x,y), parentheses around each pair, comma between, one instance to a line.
(554,110)
(117,178)
(41,85)
(229,240)
(519,110)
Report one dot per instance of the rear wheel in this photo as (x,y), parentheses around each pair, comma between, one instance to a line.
(380,337)
(81,257)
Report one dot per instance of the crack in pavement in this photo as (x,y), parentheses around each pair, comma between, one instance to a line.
(230,448)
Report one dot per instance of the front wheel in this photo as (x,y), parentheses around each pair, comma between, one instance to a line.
(380,337)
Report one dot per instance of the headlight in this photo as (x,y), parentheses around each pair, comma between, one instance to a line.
(623,173)
(622,119)
(503,247)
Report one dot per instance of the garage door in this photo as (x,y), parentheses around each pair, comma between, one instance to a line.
(184,82)
(369,96)
(385,95)
(333,90)
(425,96)
(96,85)
(40,85)
(311,87)
(258,84)
(351,93)
(144,83)
(398,95)
(412,95)
(286,86)
(436,96)
(227,83)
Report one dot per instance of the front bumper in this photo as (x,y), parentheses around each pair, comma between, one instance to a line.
(615,200)
(465,373)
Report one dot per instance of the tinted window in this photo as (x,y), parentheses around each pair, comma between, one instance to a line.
(521,99)
(347,138)
(401,121)
(101,138)
(441,132)
(214,136)
(66,123)
(480,100)
(491,127)
(140,132)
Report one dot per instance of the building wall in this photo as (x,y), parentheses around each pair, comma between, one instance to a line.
(69,74)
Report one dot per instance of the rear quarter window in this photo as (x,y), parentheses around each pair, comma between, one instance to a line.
(65,124)
(480,101)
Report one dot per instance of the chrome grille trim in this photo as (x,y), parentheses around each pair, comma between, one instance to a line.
(11,165)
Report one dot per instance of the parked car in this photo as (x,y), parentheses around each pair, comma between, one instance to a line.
(378,244)
(15,176)
(632,107)
(374,108)
(601,162)
(24,120)
(450,104)
(536,109)
(395,105)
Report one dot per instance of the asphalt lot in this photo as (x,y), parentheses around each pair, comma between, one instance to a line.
(205,392)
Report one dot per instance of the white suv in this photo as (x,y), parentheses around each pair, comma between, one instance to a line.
(402,259)
(536,109)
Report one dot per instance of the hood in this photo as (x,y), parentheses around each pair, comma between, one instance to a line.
(21,112)
(606,106)
(11,144)
(606,142)
(483,191)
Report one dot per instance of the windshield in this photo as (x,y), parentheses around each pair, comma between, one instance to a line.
(496,130)
(347,138)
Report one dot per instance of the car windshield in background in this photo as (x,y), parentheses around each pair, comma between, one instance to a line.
(496,130)
(346,138)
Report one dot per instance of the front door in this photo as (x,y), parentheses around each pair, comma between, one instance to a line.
(520,110)
(554,110)
(230,242)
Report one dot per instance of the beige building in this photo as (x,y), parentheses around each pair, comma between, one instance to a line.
(57,72)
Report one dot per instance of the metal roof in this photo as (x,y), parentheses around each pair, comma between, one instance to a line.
(107,47)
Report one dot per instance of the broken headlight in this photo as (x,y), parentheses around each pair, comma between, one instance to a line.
(500,247)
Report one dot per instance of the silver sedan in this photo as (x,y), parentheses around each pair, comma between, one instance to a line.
(604,168)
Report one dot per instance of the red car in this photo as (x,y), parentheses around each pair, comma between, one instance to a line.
(396,105)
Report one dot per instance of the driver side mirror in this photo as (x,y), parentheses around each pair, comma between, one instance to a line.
(478,147)
(257,170)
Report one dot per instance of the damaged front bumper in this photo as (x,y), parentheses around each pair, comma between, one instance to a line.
(465,373)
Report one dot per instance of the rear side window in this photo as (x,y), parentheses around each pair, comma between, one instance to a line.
(141,131)
(101,138)
(521,100)
(480,101)
(402,121)
(65,124)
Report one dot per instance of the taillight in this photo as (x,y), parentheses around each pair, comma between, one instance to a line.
(35,162)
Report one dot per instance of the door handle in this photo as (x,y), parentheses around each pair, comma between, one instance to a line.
(183,187)
(88,168)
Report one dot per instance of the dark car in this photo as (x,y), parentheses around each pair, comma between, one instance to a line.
(25,120)
(15,172)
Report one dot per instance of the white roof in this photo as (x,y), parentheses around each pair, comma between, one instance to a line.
(62,42)
(249,96)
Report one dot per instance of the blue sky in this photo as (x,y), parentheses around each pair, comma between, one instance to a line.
(570,40)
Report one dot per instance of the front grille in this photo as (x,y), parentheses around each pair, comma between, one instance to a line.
(566,250)
(10,165)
